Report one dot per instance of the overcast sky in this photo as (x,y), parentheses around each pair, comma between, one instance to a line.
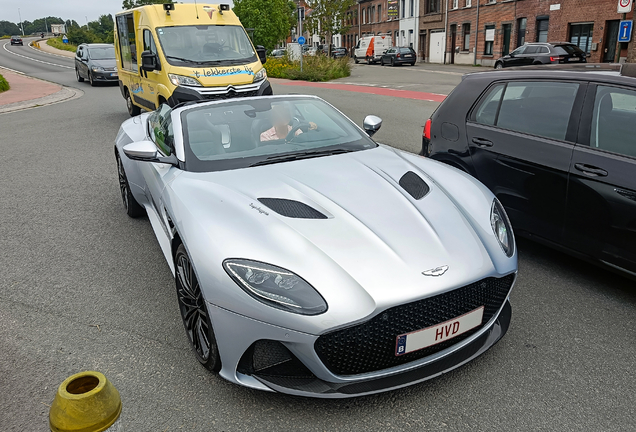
(78,10)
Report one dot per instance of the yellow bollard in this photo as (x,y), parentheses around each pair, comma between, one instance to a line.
(85,402)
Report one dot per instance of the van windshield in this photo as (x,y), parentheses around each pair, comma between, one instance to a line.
(221,45)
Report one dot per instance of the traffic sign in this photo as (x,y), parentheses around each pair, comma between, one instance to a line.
(624,6)
(625,31)
(301,40)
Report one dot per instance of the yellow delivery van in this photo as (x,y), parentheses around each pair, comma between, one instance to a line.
(173,53)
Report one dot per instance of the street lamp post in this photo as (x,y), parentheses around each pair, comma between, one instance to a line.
(21,24)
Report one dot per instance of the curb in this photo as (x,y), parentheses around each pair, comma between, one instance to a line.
(49,47)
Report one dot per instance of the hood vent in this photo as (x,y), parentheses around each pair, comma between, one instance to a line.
(292,209)
(414,185)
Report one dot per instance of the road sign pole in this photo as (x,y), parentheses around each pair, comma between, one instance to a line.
(618,43)
(300,26)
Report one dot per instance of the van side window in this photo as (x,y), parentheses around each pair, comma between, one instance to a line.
(613,120)
(149,42)
(537,108)
(127,42)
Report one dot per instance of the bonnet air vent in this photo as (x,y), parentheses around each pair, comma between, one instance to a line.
(414,185)
(292,209)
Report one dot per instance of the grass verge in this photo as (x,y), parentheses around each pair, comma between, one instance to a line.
(57,43)
(4,85)
(315,68)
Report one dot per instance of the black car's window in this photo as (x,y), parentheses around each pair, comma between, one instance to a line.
(106,53)
(531,49)
(544,50)
(160,129)
(487,111)
(537,108)
(613,120)
(519,50)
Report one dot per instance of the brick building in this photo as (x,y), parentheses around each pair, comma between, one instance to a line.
(431,30)
(370,18)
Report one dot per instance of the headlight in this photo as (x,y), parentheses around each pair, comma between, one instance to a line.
(275,286)
(183,80)
(502,228)
(97,69)
(260,75)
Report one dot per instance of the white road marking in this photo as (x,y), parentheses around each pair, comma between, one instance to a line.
(12,70)
(35,60)
(46,52)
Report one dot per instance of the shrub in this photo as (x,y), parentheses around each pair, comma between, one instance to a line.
(315,68)
(57,43)
(4,85)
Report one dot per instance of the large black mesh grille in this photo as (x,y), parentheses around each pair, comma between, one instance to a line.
(292,209)
(371,346)
(231,95)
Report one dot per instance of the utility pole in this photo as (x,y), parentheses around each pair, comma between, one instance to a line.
(46,27)
(476,34)
(21,24)
(300,27)
(446,32)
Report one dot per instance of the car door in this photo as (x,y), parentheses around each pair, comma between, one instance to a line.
(514,58)
(529,55)
(386,57)
(521,137)
(80,61)
(158,175)
(149,79)
(601,206)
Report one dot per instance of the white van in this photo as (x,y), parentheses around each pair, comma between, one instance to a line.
(371,48)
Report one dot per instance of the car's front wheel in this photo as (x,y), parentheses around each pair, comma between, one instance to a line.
(79,77)
(133,109)
(90,79)
(133,209)
(499,65)
(355,59)
(194,312)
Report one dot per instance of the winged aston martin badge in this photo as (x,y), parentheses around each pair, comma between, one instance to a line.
(437,271)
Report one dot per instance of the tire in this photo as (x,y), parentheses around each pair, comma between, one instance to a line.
(90,79)
(368,60)
(381,62)
(79,77)
(392,62)
(133,109)
(133,209)
(498,65)
(412,64)
(355,60)
(194,312)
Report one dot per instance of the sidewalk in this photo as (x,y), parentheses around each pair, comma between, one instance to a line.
(27,92)
(49,49)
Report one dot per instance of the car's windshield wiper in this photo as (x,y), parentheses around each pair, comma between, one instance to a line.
(286,157)
(183,59)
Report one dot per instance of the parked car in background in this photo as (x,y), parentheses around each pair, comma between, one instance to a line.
(371,48)
(542,53)
(396,56)
(16,40)
(278,53)
(96,63)
(339,52)
(289,282)
(310,50)
(556,146)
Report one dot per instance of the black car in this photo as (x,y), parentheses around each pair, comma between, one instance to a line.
(398,55)
(338,52)
(542,53)
(556,145)
(96,63)
(16,40)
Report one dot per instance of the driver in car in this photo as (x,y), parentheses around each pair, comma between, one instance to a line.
(281,117)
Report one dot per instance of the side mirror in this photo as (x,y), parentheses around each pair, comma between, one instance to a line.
(149,61)
(145,151)
(262,53)
(372,124)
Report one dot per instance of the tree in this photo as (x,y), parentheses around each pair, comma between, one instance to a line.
(9,28)
(271,19)
(327,17)
(103,28)
(129,4)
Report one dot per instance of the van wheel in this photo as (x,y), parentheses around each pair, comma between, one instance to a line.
(355,60)
(133,109)
(368,60)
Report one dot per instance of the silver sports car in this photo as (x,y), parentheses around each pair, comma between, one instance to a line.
(307,258)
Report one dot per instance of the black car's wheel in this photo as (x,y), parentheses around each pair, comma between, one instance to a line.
(498,65)
(412,63)
(355,59)
(133,109)
(79,77)
(133,209)
(194,312)
(90,79)
(381,61)
(392,62)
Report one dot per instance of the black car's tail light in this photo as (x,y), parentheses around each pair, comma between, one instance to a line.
(426,139)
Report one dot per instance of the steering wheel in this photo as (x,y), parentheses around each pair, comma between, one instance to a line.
(303,126)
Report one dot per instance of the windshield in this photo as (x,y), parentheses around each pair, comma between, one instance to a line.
(568,50)
(102,53)
(206,45)
(252,132)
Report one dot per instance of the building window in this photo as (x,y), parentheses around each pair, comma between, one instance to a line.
(355,17)
(411,38)
(403,38)
(411,7)
(432,6)
(490,39)
(379,13)
(468,3)
(521,31)
(373,19)
(364,16)
(542,29)
(466,30)
(581,34)
(455,4)
(403,3)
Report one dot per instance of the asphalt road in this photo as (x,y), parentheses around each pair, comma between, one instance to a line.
(85,287)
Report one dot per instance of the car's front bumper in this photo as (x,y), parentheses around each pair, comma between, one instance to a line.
(186,94)
(108,76)
(269,357)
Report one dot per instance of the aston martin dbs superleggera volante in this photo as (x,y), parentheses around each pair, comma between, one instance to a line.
(309,259)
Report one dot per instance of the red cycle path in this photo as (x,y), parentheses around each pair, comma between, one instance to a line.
(407,94)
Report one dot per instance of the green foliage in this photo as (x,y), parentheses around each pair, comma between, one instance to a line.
(315,68)
(129,4)
(271,19)
(327,17)
(57,43)
(4,85)
(100,31)
(9,28)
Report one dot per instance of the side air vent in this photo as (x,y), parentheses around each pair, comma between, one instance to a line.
(414,185)
(291,208)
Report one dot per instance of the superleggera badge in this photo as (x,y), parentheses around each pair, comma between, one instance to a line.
(260,210)
(437,271)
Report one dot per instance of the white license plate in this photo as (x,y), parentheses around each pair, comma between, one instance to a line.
(438,333)
(574,59)
(113,74)
(407,55)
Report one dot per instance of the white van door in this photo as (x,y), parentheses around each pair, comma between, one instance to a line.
(436,49)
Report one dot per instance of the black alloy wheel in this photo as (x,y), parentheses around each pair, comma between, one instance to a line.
(499,65)
(355,59)
(194,312)
(79,77)
(133,109)
(392,61)
(381,61)
(368,60)
(133,209)
(90,79)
